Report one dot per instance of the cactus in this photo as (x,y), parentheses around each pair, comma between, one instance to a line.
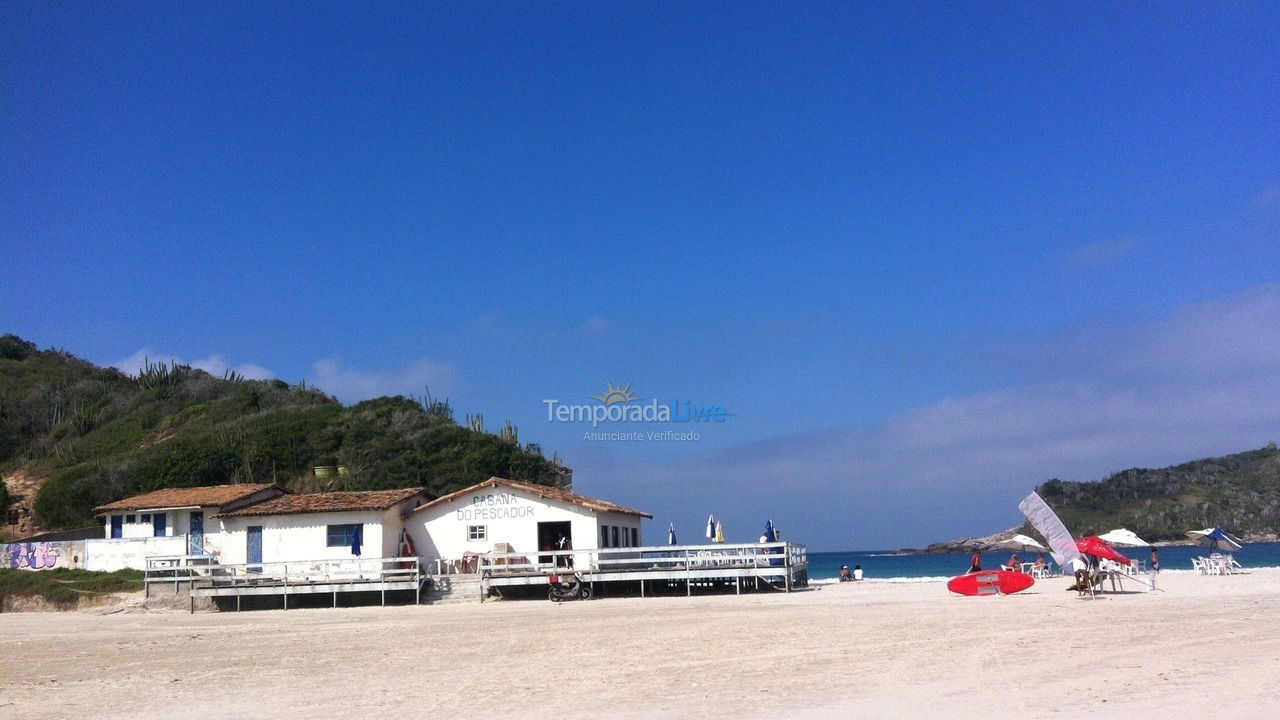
(510,433)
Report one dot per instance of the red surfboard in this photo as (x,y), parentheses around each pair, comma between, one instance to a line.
(990,582)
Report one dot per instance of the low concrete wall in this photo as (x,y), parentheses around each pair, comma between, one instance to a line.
(42,555)
(118,553)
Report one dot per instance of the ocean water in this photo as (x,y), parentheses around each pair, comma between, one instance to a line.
(885,566)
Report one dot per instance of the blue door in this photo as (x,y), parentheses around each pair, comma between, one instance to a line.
(159,523)
(254,550)
(195,539)
(117,526)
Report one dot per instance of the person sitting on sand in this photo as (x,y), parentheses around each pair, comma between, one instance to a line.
(1013,565)
(975,562)
(845,575)
(857,572)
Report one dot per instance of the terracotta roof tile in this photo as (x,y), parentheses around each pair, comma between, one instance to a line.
(326,502)
(545,491)
(185,497)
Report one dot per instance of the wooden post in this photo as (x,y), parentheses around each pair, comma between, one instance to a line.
(688,575)
(786,566)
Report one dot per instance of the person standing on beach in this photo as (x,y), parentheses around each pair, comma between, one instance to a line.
(1155,566)
(975,562)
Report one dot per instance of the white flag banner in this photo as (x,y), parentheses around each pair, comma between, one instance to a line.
(1046,521)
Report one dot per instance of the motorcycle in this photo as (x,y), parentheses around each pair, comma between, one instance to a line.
(568,588)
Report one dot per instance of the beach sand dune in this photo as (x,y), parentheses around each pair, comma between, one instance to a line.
(1206,646)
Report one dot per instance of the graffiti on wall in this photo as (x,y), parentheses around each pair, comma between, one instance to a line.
(36,556)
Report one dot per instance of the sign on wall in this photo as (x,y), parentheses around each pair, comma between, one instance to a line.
(494,506)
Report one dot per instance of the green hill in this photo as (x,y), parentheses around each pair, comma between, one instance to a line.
(1239,492)
(74,435)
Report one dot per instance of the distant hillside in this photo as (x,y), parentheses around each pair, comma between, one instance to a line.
(74,435)
(1239,492)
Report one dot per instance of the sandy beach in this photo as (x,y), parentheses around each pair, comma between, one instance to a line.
(1205,645)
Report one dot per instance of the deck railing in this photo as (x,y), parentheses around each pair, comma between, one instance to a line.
(673,557)
(202,571)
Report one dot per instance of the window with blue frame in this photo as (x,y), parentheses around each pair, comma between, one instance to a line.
(343,535)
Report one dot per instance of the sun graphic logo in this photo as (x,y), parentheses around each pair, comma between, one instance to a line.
(618,394)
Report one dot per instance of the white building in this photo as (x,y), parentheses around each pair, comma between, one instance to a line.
(248,524)
(178,512)
(317,526)
(524,517)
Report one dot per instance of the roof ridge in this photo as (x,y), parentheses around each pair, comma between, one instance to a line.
(548,491)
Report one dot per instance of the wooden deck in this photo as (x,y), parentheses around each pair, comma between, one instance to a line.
(301,577)
(780,565)
(784,565)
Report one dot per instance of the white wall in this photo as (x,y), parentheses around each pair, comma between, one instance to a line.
(392,524)
(304,536)
(138,528)
(510,516)
(108,555)
(178,523)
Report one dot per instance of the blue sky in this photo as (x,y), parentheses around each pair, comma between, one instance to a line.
(927,256)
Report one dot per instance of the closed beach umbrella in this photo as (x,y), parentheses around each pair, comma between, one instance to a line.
(1216,539)
(770,533)
(357,538)
(711,526)
(1019,543)
(719,532)
(1097,547)
(671,534)
(1123,538)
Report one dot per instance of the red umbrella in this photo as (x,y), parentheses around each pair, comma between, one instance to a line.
(1097,547)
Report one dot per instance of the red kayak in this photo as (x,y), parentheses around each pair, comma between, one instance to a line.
(990,582)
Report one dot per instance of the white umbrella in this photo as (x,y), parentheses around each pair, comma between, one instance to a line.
(671,534)
(1019,543)
(1121,537)
(711,526)
(1215,539)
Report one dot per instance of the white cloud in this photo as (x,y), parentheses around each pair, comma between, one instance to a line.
(216,365)
(352,385)
(133,364)
(1203,381)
